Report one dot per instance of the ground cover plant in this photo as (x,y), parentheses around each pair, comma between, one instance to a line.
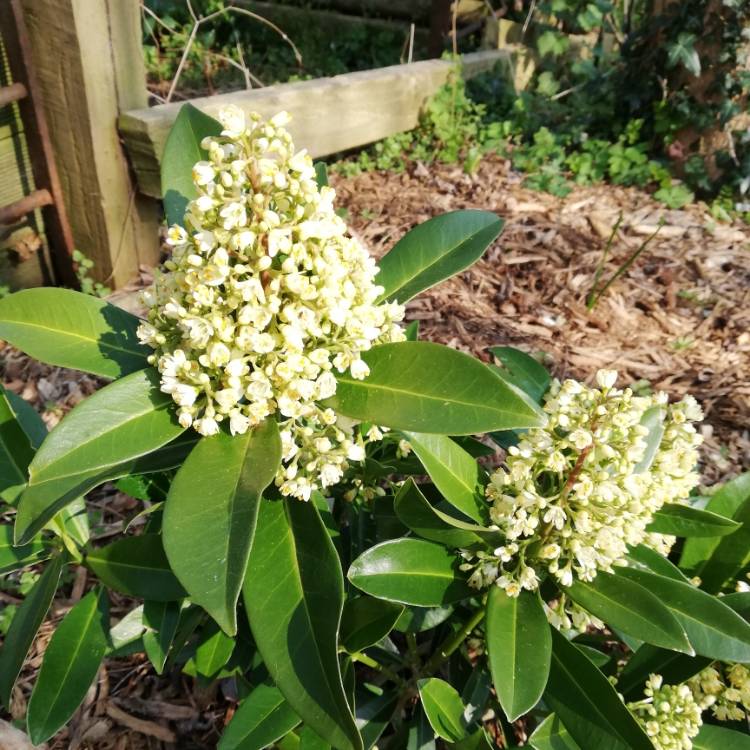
(324,526)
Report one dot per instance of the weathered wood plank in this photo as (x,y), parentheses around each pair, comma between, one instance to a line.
(329,114)
(88,60)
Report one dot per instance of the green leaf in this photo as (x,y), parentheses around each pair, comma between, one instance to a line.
(587,704)
(213,651)
(29,418)
(522,371)
(128,630)
(713,629)
(69,329)
(426,387)
(712,737)
(24,626)
(519,647)
(410,571)
(160,620)
(309,740)
(739,602)
(373,713)
(631,608)
(182,151)
(262,719)
(455,473)
(136,565)
(645,558)
(682,51)
(444,709)
(101,439)
(16,451)
(294,596)
(725,501)
(552,735)
(321,173)
(414,511)
(12,558)
(70,665)
(421,736)
(420,619)
(682,520)
(72,521)
(208,544)
(476,693)
(731,556)
(434,251)
(366,621)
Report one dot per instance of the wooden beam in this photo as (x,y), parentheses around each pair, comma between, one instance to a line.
(329,114)
(88,60)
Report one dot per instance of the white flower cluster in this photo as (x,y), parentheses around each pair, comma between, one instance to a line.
(669,715)
(265,297)
(575,493)
(725,689)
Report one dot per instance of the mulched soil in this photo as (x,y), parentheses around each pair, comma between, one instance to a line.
(679,319)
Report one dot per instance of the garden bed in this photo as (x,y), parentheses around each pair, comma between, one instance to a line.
(678,319)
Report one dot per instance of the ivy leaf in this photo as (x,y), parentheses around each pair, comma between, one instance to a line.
(682,52)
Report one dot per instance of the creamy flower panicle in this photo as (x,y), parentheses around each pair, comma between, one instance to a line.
(725,689)
(572,495)
(265,298)
(669,715)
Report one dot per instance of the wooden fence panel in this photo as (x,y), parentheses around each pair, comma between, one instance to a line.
(329,114)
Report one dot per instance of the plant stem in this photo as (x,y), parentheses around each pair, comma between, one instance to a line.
(377,666)
(450,644)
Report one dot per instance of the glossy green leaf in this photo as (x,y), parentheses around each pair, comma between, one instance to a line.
(24,626)
(739,601)
(519,647)
(436,250)
(262,719)
(136,565)
(72,521)
(426,387)
(29,418)
(444,709)
(16,451)
(522,371)
(70,665)
(208,543)
(128,630)
(455,472)
(552,735)
(713,629)
(421,619)
(476,692)
(69,329)
(410,571)
(181,152)
(725,502)
(646,558)
(12,558)
(213,652)
(420,735)
(587,703)
(365,621)
(682,520)
(160,620)
(415,512)
(731,555)
(372,714)
(712,737)
(102,438)
(626,606)
(309,740)
(294,596)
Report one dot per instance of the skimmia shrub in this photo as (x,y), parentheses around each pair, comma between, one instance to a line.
(370,540)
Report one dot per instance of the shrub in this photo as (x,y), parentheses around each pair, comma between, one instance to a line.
(282,430)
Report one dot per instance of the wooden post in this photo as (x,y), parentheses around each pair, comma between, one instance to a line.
(88,61)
